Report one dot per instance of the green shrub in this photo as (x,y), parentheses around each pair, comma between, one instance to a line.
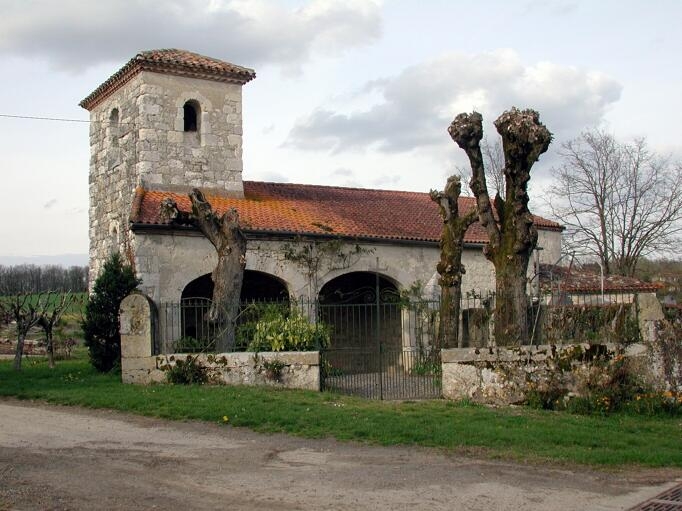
(288,331)
(187,372)
(100,326)
(192,345)
(608,385)
(251,315)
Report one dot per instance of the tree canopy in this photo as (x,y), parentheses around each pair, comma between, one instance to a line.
(619,201)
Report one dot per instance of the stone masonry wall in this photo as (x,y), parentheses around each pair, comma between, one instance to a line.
(149,147)
(503,376)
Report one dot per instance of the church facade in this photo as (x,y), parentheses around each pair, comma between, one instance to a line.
(170,120)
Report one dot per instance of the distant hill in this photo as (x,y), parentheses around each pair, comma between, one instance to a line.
(65,260)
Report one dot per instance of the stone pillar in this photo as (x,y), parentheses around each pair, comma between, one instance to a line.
(138,365)
(649,312)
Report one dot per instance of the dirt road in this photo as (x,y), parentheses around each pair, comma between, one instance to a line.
(60,458)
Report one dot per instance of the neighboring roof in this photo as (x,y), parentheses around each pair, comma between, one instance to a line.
(325,210)
(578,281)
(173,62)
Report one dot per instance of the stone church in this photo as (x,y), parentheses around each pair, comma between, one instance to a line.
(170,120)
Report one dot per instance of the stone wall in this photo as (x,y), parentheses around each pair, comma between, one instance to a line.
(299,370)
(504,376)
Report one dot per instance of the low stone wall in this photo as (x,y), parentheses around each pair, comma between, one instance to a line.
(505,376)
(296,370)
(288,369)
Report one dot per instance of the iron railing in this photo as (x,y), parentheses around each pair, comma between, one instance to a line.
(405,324)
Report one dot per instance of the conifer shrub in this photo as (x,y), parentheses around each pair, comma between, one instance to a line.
(100,325)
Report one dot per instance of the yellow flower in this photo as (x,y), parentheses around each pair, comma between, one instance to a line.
(226,418)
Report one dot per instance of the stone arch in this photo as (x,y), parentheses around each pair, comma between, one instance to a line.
(348,303)
(257,286)
(359,287)
(202,104)
(191,116)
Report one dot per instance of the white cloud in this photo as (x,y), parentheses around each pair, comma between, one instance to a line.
(416,106)
(75,35)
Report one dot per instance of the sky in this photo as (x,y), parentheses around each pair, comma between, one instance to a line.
(348,92)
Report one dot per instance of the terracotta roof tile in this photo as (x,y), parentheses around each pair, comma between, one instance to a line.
(312,209)
(580,281)
(174,62)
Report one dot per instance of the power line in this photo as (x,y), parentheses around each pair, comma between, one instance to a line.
(57,119)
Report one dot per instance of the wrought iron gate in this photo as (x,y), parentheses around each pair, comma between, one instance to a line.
(382,351)
(382,373)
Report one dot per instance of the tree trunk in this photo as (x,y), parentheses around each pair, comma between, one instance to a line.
(450,266)
(20,350)
(49,348)
(230,243)
(512,236)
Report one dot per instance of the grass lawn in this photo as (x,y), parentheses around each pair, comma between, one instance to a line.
(518,433)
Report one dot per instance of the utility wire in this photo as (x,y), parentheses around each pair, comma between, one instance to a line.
(58,119)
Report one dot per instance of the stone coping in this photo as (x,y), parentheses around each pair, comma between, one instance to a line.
(500,353)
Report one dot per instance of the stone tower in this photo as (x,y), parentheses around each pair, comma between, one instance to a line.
(167,120)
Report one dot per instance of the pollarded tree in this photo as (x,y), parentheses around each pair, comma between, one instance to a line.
(511,233)
(51,310)
(23,309)
(619,201)
(226,236)
(450,266)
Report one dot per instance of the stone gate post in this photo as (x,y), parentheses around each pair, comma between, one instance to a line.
(136,321)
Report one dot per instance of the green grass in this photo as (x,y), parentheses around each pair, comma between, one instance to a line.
(519,434)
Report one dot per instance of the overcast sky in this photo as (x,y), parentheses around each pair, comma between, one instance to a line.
(348,92)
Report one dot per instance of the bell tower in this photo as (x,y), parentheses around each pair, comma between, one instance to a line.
(167,120)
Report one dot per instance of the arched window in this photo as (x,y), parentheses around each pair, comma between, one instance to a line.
(191,115)
(113,127)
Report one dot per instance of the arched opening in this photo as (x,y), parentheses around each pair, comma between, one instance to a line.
(113,127)
(349,305)
(190,112)
(256,286)
(195,303)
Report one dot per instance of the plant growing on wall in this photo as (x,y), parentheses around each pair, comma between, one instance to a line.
(317,258)
(511,233)
(450,266)
(226,235)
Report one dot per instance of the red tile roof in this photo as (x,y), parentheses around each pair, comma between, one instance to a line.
(174,62)
(325,210)
(580,281)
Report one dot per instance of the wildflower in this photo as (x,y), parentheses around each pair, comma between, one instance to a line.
(226,418)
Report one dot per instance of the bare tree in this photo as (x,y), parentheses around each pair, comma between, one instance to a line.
(24,311)
(511,233)
(450,266)
(620,202)
(226,236)
(493,162)
(50,312)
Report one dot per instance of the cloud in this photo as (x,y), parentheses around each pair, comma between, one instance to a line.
(75,35)
(50,203)
(416,106)
(344,172)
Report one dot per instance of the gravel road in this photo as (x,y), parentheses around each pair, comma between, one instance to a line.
(61,458)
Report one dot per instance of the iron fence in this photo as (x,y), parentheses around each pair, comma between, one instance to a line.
(404,325)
